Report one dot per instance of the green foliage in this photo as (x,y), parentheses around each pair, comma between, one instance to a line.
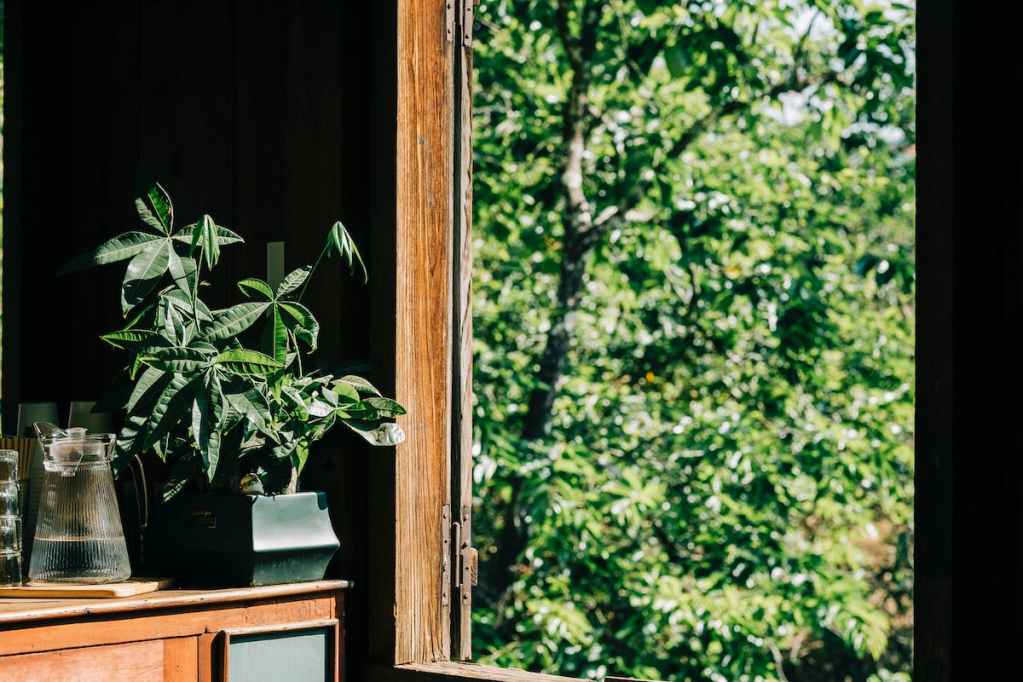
(219,413)
(724,487)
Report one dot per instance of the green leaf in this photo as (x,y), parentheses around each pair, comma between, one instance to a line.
(177,360)
(318,408)
(143,274)
(233,321)
(346,392)
(361,386)
(293,281)
(183,271)
(252,405)
(339,241)
(386,434)
(149,384)
(298,402)
(205,241)
(278,336)
(183,303)
(162,208)
(225,236)
(648,7)
(207,418)
(173,325)
(677,59)
(170,407)
(302,323)
(150,263)
(147,216)
(258,286)
(122,247)
(129,338)
(245,362)
(181,472)
(385,407)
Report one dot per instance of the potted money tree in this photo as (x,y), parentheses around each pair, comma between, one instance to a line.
(223,398)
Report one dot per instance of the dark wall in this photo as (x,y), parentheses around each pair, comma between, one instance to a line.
(970,347)
(254,112)
(274,116)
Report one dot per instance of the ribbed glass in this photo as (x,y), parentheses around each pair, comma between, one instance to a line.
(78,537)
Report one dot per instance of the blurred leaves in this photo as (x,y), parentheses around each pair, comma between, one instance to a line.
(726,489)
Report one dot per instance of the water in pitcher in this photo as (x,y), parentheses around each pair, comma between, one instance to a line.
(78,537)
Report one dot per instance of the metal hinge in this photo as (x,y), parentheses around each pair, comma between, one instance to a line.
(466,559)
(445,561)
(449,19)
(466,10)
(467,21)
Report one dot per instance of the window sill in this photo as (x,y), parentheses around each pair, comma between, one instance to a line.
(453,672)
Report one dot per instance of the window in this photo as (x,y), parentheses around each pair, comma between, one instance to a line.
(421,649)
(694,287)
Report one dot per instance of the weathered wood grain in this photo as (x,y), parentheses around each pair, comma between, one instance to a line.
(135,662)
(193,621)
(423,326)
(21,610)
(462,341)
(180,659)
(452,672)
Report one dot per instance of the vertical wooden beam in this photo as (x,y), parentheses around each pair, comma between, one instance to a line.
(462,329)
(425,171)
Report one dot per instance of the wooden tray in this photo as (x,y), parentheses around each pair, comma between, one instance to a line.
(129,588)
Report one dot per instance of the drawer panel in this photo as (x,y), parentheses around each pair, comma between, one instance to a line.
(173,660)
(297,652)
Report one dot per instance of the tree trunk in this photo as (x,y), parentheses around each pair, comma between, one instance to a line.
(577,223)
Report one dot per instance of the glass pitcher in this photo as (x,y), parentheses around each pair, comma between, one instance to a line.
(78,536)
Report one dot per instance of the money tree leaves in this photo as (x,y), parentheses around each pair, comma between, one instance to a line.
(340,242)
(195,395)
(247,363)
(121,247)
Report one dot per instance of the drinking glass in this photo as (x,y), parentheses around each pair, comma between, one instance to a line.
(10,520)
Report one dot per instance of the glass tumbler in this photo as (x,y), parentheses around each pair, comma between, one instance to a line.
(10,520)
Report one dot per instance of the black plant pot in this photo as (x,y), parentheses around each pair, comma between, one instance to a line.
(242,540)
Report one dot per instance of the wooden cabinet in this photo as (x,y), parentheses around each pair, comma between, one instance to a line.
(238,635)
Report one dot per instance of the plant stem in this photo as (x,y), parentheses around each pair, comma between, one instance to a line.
(311,273)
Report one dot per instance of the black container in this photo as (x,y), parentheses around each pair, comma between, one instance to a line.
(242,540)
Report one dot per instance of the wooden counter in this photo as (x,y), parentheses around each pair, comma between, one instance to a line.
(177,636)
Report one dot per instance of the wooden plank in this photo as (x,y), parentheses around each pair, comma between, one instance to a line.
(135,662)
(454,671)
(20,610)
(423,312)
(462,340)
(205,654)
(181,659)
(130,588)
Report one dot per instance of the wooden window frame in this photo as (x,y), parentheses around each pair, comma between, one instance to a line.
(410,624)
(410,564)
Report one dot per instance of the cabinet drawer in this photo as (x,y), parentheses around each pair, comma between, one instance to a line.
(298,652)
(170,660)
